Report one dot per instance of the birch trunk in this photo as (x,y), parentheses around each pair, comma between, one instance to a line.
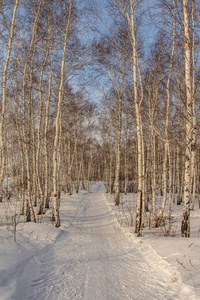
(194,131)
(185,226)
(106,173)
(41,195)
(57,124)
(151,155)
(178,200)
(194,187)
(4,99)
(22,161)
(46,151)
(142,146)
(111,174)
(125,163)
(118,152)
(174,176)
(182,178)
(69,166)
(170,191)
(19,127)
(153,177)
(59,161)
(148,175)
(30,215)
(164,189)
(167,124)
(82,170)
(27,131)
(137,103)
(77,172)
(143,179)
(32,131)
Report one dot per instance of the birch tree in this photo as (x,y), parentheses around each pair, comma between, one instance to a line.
(58,116)
(44,104)
(11,31)
(185,226)
(153,77)
(127,10)
(167,151)
(194,117)
(28,122)
(111,53)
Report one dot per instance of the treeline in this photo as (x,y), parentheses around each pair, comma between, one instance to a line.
(44,122)
(151,107)
(143,138)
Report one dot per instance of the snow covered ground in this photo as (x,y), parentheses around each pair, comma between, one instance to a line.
(95,255)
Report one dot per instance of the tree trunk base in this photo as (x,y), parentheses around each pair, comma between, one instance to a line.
(185,230)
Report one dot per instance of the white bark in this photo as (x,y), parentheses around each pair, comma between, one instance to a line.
(31,125)
(118,152)
(170,191)
(27,131)
(152,104)
(178,200)
(41,205)
(185,226)
(111,174)
(22,161)
(125,160)
(153,177)
(46,152)
(70,161)
(167,124)
(77,173)
(57,123)
(4,99)
(137,103)
(194,131)
(174,176)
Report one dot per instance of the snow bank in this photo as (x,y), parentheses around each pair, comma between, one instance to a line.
(18,259)
(177,259)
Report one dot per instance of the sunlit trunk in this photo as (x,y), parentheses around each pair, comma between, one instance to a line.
(185,226)
(165,179)
(56,216)
(4,100)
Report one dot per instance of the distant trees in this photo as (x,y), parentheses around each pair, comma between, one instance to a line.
(113,67)
(162,105)
(124,52)
(144,139)
(43,54)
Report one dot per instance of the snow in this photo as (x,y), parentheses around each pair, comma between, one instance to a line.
(96,255)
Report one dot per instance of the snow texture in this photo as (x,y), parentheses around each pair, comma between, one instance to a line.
(92,257)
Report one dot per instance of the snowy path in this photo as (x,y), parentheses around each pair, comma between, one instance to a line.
(92,259)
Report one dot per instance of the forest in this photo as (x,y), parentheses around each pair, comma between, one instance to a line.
(100,91)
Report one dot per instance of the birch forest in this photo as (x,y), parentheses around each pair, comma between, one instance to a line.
(100,91)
